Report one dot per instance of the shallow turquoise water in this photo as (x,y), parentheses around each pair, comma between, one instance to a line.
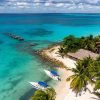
(18,63)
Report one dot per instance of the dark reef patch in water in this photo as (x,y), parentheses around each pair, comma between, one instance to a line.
(16,63)
(1,42)
(27,95)
(15,82)
(8,89)
(6,71)
(12,84)
(13,64)
(24,47)
(12,81)
(30,46)
(39,32)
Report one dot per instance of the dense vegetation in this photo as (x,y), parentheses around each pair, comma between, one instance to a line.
(87,71)
(72,43)
(48,94)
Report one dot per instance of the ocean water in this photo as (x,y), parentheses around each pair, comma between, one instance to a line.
(18,62)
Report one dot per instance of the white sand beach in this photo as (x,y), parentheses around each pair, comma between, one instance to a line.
(63,88)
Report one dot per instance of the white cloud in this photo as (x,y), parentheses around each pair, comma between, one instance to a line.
(53,5)
(22,4)
(48,4)
(81,6)
(93,1)
(37,2)
(72,6)
(59,4)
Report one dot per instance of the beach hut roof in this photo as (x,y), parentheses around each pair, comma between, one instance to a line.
(98,42)
(54,73)
(42,84)
(82,53)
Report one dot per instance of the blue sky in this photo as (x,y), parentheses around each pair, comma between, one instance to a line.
(41,6)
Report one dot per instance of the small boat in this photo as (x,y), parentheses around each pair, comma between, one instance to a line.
(39,85)
(53,74)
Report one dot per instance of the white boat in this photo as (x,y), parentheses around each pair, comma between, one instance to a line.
(39,85)
(53,75)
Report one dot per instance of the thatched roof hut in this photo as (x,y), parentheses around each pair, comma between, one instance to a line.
(98,47)
(81,54)
(98,43)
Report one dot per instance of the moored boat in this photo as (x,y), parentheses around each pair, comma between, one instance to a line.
(53,74)
(39,85)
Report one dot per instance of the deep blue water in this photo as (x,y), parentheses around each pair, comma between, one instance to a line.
(18,63)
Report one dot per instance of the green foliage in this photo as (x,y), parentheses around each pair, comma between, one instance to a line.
(87,71)
(48,94)
(98,58)
(39,95)
(97,84)
(72,43)
(97,74)
(51,94)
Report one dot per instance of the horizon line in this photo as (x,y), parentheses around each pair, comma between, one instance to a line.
(50,13)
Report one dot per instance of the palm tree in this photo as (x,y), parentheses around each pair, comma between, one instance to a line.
(39,95)
(48,94)
(51,94)
(81,76)
(88,43)
(97,84)
(97,74)
(61,50)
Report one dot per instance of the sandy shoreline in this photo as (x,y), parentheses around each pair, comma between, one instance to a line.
(63,91)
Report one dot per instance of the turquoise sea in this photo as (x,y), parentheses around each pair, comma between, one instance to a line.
(18,62)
